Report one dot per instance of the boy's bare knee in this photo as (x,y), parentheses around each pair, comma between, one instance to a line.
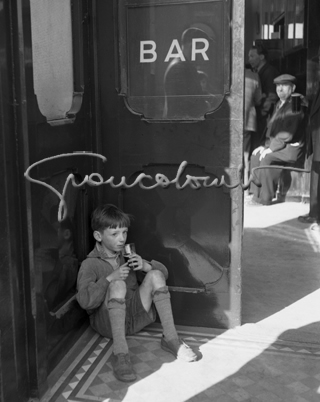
(117,289)
(156,278)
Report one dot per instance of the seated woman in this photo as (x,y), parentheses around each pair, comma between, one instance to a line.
(283,142)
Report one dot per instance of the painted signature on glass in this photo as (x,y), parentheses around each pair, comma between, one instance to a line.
(96,179)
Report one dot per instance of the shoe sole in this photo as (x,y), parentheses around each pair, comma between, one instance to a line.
(124,379)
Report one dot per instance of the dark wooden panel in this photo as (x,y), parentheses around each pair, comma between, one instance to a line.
(214,216)
(13,348)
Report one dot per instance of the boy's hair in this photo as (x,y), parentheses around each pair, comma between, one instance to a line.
(109,216)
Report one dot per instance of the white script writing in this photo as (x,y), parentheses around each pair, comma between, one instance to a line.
(161,180)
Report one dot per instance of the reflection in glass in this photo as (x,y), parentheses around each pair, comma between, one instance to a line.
(183,78)
(56,259)
(299,21)
(60,281)
(174,58)
(52,56)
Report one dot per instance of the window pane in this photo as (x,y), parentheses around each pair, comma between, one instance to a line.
(299,21)
(52,56)
(180,72)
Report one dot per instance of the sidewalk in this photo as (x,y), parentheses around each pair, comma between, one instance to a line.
(281,270)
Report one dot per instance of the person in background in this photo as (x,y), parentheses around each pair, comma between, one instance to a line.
(267,73)
(252,98)
(182,81)
(313,148)
(283,143)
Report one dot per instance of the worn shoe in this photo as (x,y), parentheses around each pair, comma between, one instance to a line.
(307,219)
(122,368)
(179,349)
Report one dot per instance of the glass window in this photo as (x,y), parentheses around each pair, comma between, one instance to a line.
(294,23)
(59,249)
(174,57)
(51,26)
(299,21)
(265,19)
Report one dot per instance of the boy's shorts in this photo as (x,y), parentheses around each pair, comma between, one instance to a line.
(136,317)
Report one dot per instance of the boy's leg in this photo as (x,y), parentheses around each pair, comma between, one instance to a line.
(154,289)
(116,305)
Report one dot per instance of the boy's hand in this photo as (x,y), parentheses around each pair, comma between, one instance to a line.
(120,273)
(138,264)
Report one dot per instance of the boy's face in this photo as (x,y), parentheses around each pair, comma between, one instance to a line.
(112,239)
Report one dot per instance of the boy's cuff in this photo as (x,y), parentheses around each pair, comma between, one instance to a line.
(147,262)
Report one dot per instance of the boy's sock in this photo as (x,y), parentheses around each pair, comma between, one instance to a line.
(117,315)
(161,298)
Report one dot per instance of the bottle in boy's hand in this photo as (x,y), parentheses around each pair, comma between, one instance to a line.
(128,251)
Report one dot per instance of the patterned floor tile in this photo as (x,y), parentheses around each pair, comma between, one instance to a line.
(230,371)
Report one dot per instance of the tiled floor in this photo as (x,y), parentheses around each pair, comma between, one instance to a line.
(274,356)
(230,369)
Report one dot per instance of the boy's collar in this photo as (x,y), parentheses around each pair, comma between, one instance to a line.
(105,253)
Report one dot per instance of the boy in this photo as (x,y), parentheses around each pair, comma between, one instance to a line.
(108,289)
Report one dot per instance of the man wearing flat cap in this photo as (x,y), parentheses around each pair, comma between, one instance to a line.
(283,142)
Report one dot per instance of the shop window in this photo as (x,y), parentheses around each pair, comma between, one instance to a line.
(284,20)
(56,81)
(174,57)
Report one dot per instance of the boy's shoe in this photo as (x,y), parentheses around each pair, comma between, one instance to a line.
(122,367)
(179,349)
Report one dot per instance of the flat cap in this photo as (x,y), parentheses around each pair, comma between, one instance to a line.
(285,79)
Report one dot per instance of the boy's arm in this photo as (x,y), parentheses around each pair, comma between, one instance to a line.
(156,265)
(91,290)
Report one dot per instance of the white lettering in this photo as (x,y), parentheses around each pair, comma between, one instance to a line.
(95,179)
(171,55)
(202,50)
(151,51)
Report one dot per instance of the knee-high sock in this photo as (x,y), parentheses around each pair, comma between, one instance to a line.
(161,298)
(117,315)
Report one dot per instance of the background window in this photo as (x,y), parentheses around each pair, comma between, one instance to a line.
(52,56)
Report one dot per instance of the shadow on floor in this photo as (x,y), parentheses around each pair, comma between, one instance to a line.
(277,374)
(280,266)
